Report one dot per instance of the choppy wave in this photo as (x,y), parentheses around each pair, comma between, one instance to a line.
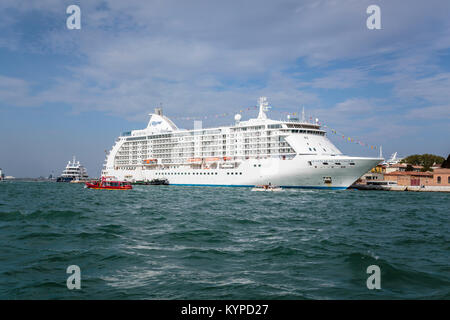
(224,243)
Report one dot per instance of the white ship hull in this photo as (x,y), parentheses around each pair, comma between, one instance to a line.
(295,173)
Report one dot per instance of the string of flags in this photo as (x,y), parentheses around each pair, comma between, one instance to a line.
(348,139)
(244,110)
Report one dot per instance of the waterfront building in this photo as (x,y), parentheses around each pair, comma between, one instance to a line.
(410,178)
(441,177)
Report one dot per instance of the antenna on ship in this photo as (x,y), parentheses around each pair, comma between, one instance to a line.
(303,114)
(381,151)
(263,107)
(158,111)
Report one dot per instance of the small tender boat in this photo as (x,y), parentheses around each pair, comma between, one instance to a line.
(159,182)
(267,187)
(140,183)
(109,185)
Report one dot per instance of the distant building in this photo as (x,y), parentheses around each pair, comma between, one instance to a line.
(441,177)
(1,174)
(410,178)
(370,176)
(402,167)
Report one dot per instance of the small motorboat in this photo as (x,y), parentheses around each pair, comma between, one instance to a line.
(140,183)
(109,185)
(157,182)
(267,187)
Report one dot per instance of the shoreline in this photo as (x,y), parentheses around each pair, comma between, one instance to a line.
(401,188)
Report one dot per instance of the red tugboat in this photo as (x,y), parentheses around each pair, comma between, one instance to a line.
(109,185)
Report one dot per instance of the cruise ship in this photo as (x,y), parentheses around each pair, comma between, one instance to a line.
(74,171)
(292,154)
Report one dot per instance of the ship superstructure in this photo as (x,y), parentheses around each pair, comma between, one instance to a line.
(291,153)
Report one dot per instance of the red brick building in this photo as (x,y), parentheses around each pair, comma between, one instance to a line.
(441,177)
(410,178)
(438,177)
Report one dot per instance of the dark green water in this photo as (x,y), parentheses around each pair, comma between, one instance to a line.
(170,242)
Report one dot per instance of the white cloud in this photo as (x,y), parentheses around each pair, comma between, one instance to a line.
(205,55)
(16,92)
(435,88)
(355,106)
(441,112)
(341,79)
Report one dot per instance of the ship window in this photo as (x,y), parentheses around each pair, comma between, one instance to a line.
(352,163)
(310,149)
(325,163)
(338,163)
(310,163)
(241,173)
(228,173)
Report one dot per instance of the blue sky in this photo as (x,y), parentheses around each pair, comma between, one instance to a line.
(71,92)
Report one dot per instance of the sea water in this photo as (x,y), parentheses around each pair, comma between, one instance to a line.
(173,242)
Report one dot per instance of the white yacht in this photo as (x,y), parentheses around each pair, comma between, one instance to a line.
(74,171)
(393,160)
(291,154)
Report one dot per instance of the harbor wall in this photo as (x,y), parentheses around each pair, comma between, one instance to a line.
(402,188)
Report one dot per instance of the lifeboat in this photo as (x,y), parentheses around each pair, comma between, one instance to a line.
(150,161)
(109,185)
